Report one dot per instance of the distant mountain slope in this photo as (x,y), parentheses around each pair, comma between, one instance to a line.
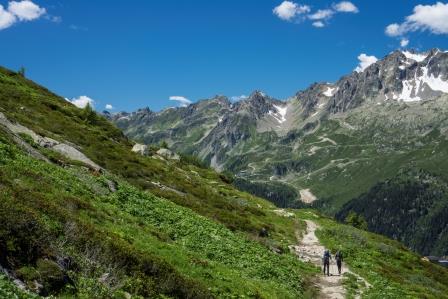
(412,208)
(332,142)
(200,189)
(69,227)
(66,231)
(146,226)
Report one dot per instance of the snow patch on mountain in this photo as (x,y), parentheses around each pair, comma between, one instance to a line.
(416,57)
(435,83)
(330,91)
(280,115)
(412,88)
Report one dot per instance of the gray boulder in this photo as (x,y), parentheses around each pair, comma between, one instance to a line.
(167,154)
(141,149)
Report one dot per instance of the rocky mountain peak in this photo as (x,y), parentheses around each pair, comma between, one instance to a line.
(221,99)
(257,104)
(219,125)
(315,97)
(145,110)
(257,94)
(407,76)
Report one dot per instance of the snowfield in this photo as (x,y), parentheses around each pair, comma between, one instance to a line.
(280,115)
(416,57)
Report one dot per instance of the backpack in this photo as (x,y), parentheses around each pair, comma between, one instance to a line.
(338,256)
(326,256)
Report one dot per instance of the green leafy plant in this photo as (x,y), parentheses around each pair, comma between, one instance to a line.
(356,220)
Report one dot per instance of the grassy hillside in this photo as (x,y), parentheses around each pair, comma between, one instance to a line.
(358,159)
(64,228)
(69,234)
(391,269)
(154,228)
(200,189)
(9,290)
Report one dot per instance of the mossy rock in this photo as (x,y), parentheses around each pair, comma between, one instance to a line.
(29,275)
(52,277)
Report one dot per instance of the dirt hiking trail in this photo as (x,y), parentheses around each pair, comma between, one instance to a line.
(311,250)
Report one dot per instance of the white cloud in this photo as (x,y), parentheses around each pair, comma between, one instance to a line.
(364,62)
(183,101)
(321,14)
(430,17)
(318,24)
(425,17)
(54,19)
(394,30)
(301,9)
(109,107)
(238,98)
(404,42)
(346,6)
(26,10)
(7,19)
(21,11)
(82,101)
(287,10)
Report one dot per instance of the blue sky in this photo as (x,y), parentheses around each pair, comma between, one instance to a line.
(138,53)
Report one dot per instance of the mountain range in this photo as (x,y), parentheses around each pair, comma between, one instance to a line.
(374,142)
(85,212)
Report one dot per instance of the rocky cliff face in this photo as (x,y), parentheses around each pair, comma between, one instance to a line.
(402,76)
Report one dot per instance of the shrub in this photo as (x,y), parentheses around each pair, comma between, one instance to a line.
(227,177)
(356,220)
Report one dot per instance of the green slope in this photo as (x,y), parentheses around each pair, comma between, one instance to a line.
(391,269)
(65,231)
(412,208)
(147,245)
(200,189)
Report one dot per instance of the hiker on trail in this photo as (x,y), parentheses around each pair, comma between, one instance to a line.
(339,258)
(326,261)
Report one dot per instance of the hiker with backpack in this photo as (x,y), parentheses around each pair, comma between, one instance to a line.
(326,261)
(339,258)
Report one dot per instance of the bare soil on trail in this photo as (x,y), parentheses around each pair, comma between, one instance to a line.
(311,250)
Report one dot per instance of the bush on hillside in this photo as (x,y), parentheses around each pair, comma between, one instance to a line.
(356,220)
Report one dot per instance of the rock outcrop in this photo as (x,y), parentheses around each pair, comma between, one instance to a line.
(167,154)
(141,149)
(64,149)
